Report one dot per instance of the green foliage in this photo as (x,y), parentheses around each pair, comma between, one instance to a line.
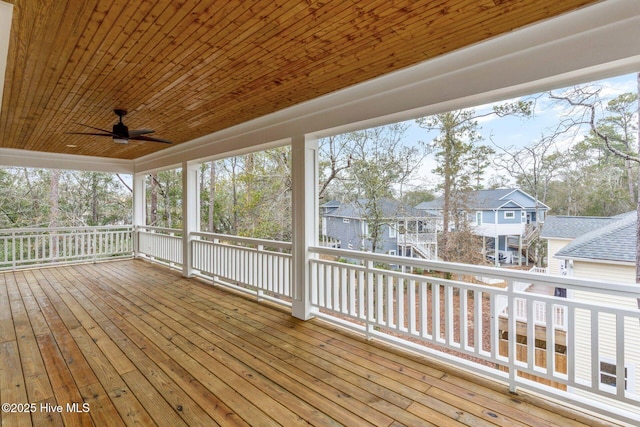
(415,197)
(44,197)
(251,194)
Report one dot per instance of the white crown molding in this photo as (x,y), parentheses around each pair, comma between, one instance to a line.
(38,159)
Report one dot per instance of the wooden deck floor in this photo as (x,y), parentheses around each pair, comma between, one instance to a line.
(133,343)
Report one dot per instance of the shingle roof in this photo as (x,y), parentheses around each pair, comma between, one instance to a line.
(483,200)
(615,241)
(331,204)
(571,227)
(390,209)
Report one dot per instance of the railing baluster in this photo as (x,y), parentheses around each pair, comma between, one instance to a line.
(352,293)
(435,310)
(464,318)
(571,345)
(424,309)
(400,304)
(448,315)
(621,380)
(531,334)
(388,297)
(411,301)
(550,350)
(595,350)
(478,322)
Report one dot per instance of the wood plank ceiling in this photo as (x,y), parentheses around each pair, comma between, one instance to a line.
(189,68)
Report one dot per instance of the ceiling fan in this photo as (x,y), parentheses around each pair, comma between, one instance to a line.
(121,133)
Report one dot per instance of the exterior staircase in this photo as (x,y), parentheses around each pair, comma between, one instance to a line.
(422,245)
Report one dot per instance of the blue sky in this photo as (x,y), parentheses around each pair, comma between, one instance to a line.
(518,132)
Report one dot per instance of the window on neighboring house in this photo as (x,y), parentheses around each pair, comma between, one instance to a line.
(608,374)
(392,232)
(478,218)
(345,220)
(509,215)
(523,216)
(392,252)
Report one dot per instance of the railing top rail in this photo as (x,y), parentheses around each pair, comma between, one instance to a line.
(246,240)
(420,278)
(508,275)
(161,229)
(54,229)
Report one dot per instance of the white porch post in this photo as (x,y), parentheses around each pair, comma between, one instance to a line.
(190,212)
(304,195)
(497,241)
(139,209)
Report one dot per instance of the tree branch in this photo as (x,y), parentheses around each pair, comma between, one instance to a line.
(592,123)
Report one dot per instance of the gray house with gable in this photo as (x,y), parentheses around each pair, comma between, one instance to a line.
(508,220)
(405,230)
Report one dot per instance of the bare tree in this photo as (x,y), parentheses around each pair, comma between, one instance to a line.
(587,99)
(377,167)
(334,159)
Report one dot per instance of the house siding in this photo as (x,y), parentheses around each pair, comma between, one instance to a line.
(502,216)
(488,217)
(347,233)
(521,198)
(553,246)
(607,326)
(351,233)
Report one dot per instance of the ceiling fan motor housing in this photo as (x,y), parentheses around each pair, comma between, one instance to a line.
(120,129)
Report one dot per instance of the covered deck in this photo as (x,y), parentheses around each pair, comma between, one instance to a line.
(130,342)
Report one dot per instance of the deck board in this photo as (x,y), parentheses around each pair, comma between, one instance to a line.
(142,346)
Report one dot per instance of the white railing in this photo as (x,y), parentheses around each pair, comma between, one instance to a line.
(450,315)
(539,310)
(162,245)
(26,247)
(447,312)
(251,265)
(423,243)
(539,314)
(416,239)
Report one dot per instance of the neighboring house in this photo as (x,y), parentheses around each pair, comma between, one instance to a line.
(405,231)
(507,219)
(601,249)
(559,231)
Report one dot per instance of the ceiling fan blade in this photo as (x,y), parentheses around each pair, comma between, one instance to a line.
(148,138)
(90,133)
(101,130)
(138,132)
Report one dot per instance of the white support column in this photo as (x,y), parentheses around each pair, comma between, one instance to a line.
(139,209)
(304,171)
(190,212)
